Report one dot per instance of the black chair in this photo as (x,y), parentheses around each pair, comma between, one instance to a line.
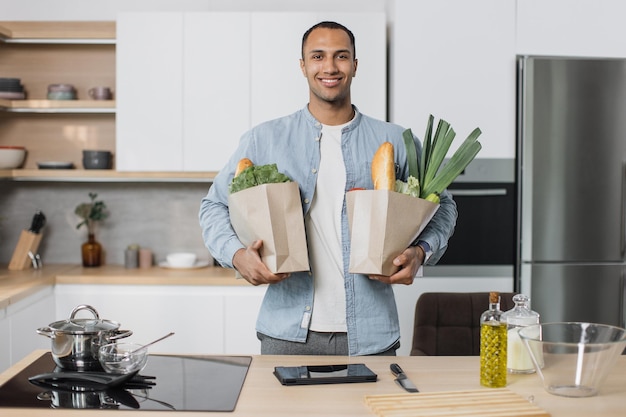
(448,324)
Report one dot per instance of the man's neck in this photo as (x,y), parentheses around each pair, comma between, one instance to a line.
(332,114)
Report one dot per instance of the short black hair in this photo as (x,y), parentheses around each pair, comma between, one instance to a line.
(329,25)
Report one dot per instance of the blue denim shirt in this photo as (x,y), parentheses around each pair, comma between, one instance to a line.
(292,142)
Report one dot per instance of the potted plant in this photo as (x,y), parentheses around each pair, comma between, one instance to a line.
(91,213)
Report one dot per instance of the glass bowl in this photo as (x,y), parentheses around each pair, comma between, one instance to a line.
(573,359)
(116,358)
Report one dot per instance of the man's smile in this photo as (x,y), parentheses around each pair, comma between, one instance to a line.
(330,82)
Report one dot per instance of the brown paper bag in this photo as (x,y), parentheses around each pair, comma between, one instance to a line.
(272,213)
(382,225)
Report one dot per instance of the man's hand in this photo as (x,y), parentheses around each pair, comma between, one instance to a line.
(248,262)
(409,262)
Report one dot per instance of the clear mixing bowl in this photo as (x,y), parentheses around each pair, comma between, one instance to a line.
(119,358)
(573,359)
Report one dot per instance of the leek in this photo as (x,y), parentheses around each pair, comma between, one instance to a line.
(432,179)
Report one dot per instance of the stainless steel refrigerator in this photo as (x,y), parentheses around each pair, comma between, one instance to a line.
(572,187)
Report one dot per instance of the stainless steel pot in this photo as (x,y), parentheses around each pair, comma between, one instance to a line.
(75,342)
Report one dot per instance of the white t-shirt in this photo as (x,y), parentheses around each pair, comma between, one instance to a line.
(323,225)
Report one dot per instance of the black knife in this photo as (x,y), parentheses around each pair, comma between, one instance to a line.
(402,379)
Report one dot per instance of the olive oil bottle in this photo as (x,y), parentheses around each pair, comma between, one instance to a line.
(493,348)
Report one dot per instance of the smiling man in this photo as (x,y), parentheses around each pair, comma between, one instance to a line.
(327,148)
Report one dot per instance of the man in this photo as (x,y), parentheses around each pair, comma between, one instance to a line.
(326,147)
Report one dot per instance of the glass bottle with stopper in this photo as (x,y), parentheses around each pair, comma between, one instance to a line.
(518,358)
(493,348)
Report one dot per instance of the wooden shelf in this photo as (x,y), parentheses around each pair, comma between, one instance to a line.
(103,175)
(58,32)
(58,106)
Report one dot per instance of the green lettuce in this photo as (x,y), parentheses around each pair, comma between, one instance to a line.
(411,187)
(257,175)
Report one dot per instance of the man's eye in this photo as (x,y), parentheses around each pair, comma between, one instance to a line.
(316,57)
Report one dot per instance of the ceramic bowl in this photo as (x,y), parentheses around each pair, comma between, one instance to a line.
(119,358)
(93,159)
(56,88)
(573,359)
(181,259)
(12,157)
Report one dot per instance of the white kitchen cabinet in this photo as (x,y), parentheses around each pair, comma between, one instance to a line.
(5,342)
(584,28)
(190,84)
(216,101)
(149,92)
(206,319)
(455,59)
(25,317)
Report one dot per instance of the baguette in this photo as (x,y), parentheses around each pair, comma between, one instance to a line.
(243,164)
(383,168)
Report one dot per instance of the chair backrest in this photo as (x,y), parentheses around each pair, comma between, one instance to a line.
(448,323)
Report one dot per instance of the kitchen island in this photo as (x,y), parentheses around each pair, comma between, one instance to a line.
(263,395)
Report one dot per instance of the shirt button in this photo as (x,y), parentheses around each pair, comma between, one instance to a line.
(306,201)
(307,308)
(314,170)
(317,138)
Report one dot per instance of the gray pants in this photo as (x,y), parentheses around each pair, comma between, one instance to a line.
(317,343)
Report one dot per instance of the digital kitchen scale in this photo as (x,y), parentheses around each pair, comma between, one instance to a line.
(183,383)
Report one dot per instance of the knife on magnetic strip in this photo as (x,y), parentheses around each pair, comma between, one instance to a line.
(402,379)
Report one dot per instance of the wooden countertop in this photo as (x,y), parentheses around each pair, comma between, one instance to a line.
(262,394)
(16,285)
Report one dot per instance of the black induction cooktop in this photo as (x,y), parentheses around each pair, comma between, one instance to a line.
(183,383)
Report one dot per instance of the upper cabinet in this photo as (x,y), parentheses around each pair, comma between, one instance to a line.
(455,59)
(584,28)
(187,94)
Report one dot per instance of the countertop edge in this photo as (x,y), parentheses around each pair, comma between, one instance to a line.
(18,285)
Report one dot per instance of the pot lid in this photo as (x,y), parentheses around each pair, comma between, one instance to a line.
(83,326)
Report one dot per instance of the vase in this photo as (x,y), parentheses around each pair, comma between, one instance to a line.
(91,251)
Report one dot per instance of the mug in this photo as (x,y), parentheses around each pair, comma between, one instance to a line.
(100,93)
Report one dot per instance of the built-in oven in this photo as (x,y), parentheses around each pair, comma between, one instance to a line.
(485,232)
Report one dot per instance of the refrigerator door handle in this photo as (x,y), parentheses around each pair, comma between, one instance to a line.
(622,304)
(479,192)
(623,214)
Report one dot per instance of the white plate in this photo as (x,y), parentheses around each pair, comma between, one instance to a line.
(198,264)
(55,165)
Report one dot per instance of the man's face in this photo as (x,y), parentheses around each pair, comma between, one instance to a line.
(328,65)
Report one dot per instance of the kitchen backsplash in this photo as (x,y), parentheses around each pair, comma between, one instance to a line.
(162,217)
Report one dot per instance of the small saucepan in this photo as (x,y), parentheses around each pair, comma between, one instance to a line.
(76,341)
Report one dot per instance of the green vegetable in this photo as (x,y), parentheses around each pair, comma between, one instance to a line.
(411,187)
(434,198)
(431,178)
(257,175)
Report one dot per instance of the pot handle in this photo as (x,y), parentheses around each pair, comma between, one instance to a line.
(121,334)
(84,307)
(46,331)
